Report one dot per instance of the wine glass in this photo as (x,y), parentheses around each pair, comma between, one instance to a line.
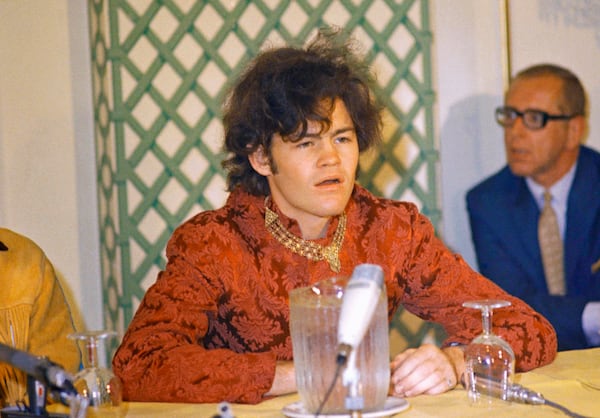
(99,385)
(489,360)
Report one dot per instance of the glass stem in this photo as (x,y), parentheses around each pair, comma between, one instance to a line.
(486,316)
(92,351)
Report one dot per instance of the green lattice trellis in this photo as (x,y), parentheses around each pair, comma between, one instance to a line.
(160,70)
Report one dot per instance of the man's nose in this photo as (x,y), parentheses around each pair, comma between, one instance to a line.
(329,154)
(518,127)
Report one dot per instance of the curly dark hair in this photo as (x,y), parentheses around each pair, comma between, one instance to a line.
(284,88)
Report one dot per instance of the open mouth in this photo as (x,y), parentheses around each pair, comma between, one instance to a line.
(329,182)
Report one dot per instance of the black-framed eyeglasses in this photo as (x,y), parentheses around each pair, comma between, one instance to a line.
(533,119)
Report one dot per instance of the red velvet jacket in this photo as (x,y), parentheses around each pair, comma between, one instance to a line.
(213,325)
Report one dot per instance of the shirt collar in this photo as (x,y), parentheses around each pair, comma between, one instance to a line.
(559,190)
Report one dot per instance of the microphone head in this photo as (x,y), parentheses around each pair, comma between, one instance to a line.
(369,272)
(360,299)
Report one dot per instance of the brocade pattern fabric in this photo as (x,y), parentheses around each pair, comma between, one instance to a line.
(217,319)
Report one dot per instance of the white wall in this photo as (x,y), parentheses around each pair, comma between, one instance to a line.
(563,33)
(47,187)
(468,71)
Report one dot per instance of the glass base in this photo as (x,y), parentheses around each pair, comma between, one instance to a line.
(478,400)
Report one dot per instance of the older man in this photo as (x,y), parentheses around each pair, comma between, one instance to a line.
(536,223)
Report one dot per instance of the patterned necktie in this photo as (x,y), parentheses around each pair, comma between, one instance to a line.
(551,246)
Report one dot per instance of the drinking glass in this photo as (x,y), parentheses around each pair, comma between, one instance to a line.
(99,385)
(489,360)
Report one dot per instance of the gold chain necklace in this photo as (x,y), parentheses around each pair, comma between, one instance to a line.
(308,249)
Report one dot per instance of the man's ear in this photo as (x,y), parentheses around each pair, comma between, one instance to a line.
(260,162)
(577,131)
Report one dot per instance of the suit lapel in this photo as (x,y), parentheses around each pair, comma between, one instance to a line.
(525,219)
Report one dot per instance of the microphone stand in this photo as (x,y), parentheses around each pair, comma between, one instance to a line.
(43,374)
(354,401)
(36,391)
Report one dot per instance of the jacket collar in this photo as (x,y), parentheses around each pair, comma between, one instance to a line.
(525,211)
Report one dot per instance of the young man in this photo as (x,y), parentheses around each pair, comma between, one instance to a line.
(215,325)
(544,125)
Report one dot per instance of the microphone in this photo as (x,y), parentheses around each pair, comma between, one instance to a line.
(512,392)
(358,306)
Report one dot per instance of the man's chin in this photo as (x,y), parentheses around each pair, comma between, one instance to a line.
(519,170)
(329,211)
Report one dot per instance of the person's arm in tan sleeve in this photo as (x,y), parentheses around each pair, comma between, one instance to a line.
(51,321)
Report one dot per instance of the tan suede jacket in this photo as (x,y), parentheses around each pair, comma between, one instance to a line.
(34,315)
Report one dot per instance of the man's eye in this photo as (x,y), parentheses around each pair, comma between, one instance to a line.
(536,117)
(342,139)
(304,144)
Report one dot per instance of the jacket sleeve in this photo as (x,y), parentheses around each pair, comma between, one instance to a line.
(442,281)
(34,313)
(51,321)
(163,356)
